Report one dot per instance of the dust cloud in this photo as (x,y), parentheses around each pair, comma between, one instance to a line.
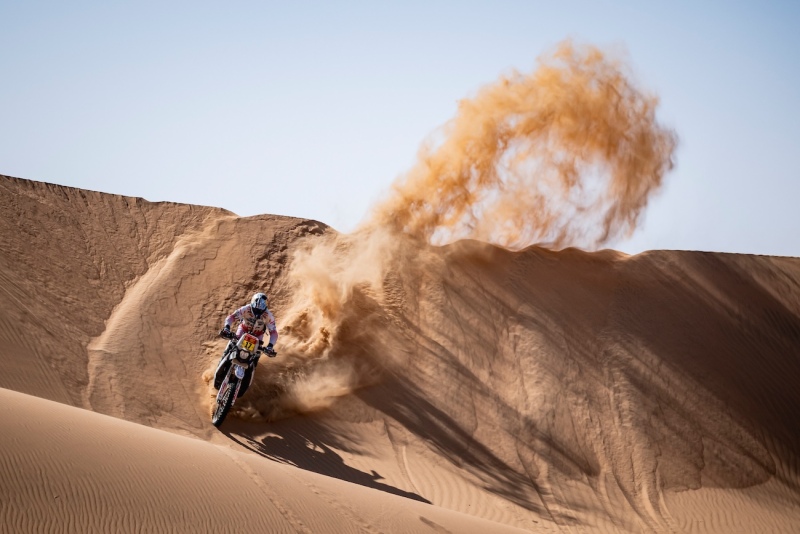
(568,155)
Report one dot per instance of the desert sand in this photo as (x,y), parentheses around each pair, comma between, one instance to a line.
(418,388)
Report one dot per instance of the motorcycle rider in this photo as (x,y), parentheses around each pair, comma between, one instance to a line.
(255,319)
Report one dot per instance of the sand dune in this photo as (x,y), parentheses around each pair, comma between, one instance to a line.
(467,388)
(73,470)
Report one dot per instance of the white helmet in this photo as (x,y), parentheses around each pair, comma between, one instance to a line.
(258,304)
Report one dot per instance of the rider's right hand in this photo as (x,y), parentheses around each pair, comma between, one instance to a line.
(225,332)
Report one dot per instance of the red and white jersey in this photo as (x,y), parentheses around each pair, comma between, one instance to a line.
(257,326)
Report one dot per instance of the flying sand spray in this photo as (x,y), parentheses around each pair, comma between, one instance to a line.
(568,155)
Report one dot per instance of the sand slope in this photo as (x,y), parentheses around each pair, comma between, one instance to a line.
(535,389)
(65,469)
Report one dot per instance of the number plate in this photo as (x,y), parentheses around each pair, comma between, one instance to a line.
(248,343)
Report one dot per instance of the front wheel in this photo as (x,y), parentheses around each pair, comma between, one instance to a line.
(224,401)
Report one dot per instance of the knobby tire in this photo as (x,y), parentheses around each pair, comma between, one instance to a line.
(223,407)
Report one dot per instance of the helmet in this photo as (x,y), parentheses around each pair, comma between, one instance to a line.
(258,304)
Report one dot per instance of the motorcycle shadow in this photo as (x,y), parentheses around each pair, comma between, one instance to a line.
(308,445)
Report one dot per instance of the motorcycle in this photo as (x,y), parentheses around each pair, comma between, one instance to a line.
(242,354)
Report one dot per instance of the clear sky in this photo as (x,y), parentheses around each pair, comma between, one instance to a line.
(312,109)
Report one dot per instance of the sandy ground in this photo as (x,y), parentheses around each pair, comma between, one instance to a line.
(463,388)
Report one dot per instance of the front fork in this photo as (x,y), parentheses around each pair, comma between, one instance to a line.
(239,372)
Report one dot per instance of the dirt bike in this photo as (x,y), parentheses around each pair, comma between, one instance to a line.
(242,355)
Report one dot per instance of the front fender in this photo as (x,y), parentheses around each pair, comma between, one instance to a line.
(239,371)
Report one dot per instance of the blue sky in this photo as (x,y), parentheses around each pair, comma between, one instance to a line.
(313,109)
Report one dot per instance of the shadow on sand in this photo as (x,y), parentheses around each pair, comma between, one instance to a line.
(307,444)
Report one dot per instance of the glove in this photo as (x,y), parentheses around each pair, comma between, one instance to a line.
(270,351)
(225,332)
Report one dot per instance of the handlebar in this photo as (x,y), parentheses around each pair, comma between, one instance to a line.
(230,335)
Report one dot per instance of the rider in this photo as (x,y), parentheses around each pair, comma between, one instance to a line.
(255,319)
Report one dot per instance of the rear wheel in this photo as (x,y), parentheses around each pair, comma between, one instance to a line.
(224,402)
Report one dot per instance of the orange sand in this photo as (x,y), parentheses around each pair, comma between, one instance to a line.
(464,388)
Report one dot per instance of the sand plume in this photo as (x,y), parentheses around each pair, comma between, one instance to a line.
(334,331)
(567,155)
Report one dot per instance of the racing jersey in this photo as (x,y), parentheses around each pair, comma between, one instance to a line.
(257,326)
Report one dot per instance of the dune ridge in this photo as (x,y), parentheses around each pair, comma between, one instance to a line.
(540,390)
